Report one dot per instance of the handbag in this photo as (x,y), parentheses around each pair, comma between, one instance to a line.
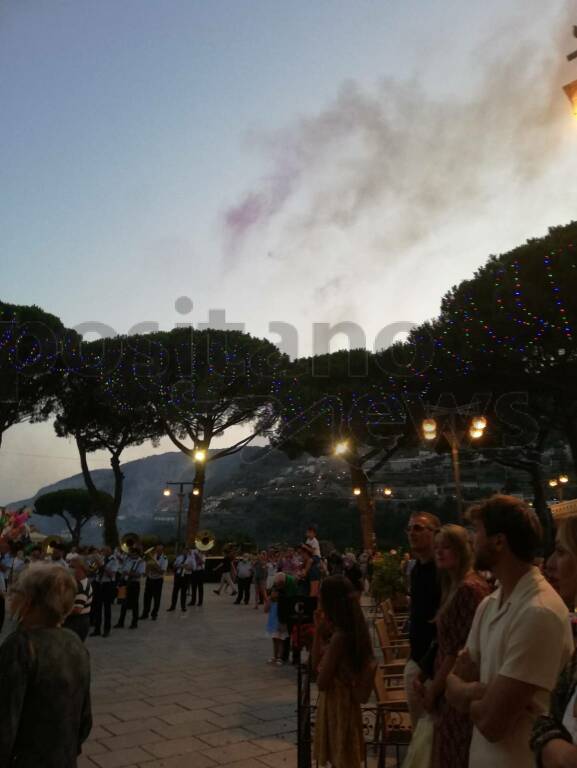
(420,751)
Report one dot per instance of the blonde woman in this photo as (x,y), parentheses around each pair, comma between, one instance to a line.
(462,589)
(555,734)
(44,675)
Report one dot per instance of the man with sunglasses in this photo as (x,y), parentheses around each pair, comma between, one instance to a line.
(425,599)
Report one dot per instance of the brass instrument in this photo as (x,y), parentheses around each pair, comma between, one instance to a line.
(129,541)
(204,541)
(152,567)
(50,542)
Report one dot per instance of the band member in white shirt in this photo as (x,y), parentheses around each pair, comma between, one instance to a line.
(197,578)
(180,582)
(132,571)
(105,595)
(156,567)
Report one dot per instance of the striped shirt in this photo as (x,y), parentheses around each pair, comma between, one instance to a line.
(83,599)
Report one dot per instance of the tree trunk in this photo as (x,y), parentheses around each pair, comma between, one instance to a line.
(109,514)
(365,505)
(195,504)
(76,532)
(110,528)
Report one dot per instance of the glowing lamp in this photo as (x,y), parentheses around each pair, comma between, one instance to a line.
(563,479)
(200,456)
(429,425)
(195,492)
(166,492)
(553,483)
(356,491)
(341,448)
(479,423)
(475,434)
(387,491)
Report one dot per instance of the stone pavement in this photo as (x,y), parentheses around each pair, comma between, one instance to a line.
(191,690)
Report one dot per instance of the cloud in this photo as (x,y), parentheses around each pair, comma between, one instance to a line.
(387,167)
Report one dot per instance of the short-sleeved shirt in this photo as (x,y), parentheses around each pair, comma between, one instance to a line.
(527,638)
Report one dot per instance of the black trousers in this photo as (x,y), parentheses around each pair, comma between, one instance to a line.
(243,586)
(152,596)
(96,588)
(2,611)
(180,587)
(79,624)
(103,598)
(196,587)
(131,603)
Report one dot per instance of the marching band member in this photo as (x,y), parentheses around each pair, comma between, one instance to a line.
(132,571)
(105,593)
(156,567)
(180,582)
(78,619)
(197,577)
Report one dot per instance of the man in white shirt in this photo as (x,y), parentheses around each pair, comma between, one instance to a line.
(156,567)
(132,571)
(106,592)
(197,578)
(519,642)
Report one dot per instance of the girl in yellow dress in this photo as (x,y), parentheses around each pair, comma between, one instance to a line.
(342,655)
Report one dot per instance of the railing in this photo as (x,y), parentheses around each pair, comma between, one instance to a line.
(384,736)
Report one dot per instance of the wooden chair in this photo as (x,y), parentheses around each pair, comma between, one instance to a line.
(394,623)
(393,725)
(395,653)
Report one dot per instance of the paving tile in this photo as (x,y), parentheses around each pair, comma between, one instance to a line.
(286,759)
(183,746)
(234,753)
(122,758)
(225,737)
(135,739)
(198,761)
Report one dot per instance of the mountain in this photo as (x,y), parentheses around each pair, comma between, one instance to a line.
(257,492)
(260,494)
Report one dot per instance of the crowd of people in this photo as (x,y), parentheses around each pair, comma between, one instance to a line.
(492,672)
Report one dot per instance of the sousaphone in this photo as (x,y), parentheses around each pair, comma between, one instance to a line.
(129,541)
(204,541)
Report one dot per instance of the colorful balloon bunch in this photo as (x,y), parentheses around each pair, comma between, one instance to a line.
(13,525)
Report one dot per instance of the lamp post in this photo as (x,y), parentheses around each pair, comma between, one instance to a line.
(559,483)
(180,484)
(361,489)
(454,436)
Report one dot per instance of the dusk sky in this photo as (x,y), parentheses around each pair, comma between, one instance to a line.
(307,161)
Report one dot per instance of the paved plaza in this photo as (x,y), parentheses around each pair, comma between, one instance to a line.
(191,690)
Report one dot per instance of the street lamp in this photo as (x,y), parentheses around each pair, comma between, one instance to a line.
(559,482)
(180,495)
(341,447)
(476,430)
(387,491)
(200,456)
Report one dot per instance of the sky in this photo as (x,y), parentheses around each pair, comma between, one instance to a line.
(301,163)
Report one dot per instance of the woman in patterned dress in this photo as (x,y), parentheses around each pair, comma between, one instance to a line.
(462,591)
